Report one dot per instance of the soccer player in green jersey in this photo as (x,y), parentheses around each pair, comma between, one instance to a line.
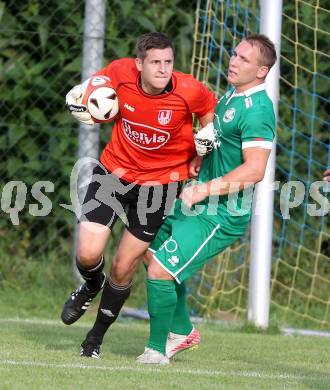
(213,214)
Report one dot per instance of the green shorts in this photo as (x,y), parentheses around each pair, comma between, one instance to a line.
(185,243)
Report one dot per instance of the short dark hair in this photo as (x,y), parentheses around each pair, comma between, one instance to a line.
(266,48)
(152,40)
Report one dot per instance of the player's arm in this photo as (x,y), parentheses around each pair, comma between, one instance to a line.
(206,119)
(326,175)
(250,172)
(195,166)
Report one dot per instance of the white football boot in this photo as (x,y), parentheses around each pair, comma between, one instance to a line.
(150,356)
(178,342)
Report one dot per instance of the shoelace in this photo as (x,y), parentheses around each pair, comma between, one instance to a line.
(78,292)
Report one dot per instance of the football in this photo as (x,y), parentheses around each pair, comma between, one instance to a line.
(101,99)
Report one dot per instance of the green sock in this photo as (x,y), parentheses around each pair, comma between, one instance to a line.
(161,306)
(181,323)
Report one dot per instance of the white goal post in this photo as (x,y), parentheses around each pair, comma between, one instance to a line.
(262,222)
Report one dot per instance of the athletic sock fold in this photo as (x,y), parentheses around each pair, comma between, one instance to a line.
(93,277)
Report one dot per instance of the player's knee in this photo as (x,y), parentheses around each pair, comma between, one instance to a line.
(88,257)
(121,272)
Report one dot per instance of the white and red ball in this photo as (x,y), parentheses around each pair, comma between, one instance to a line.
(101,99)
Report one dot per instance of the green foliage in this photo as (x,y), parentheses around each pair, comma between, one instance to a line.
(128,19)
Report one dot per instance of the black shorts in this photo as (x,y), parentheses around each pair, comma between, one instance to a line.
(142,208)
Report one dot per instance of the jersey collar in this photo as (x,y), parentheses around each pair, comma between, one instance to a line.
(170,87)
(248,92)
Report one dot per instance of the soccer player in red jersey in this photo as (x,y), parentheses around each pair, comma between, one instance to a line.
(151,146)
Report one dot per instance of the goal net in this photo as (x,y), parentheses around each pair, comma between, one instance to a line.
(300,284)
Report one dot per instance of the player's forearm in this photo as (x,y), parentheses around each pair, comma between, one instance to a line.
(241,177)
(207,118)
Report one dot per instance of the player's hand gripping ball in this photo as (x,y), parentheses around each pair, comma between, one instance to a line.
(93,101)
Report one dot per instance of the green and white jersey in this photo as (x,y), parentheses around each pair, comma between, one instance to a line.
(242,120)
(189,238)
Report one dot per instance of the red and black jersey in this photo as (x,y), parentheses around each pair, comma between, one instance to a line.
(152,138)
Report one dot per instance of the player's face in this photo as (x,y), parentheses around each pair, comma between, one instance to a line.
(245,70)
(156,70)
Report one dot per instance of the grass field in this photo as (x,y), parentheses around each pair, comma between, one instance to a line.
(43,354)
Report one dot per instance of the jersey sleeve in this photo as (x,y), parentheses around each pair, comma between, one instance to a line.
(118,71)
(106,71)
(258,128)
(202,99)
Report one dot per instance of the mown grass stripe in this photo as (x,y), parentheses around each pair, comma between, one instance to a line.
(213,373)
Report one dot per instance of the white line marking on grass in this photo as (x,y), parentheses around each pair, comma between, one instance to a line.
(245,374)
(304,332)
(38,321)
